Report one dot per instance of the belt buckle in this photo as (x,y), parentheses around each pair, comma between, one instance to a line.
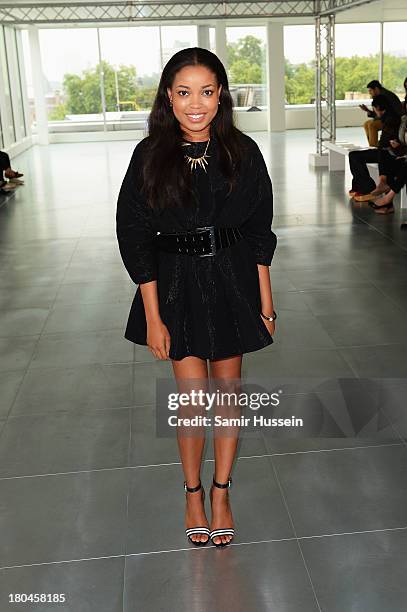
(211,229)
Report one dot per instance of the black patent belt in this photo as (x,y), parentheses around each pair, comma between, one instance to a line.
(202,241)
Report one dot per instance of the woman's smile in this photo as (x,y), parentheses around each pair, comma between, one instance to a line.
(195,117)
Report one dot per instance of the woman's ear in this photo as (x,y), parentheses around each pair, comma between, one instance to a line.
(169,94)
(219,89)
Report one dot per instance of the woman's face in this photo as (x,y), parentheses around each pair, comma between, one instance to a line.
(195,97)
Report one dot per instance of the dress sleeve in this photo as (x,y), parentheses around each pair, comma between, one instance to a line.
(257,229)
(135,226)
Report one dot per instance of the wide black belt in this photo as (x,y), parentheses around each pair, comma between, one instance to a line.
(202,241)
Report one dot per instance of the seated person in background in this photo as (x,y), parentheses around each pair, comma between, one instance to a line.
(374,125)
(362,183)
(7,172)
(393,162)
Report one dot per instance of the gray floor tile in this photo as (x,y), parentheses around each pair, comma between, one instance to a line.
(39,296)
(76,389)
(89,586)
(336,276)
(96,292)
(64,442)
(372,572)
(347,417)
(381,270)
(347,301)
(152,530)
(275,362)
(65,517)
(392,397)
(9,385)
(345,490)
(87,317)
(22,321)
(16,353)
(80,272)
(290,302)
(31,276)
(145,378)
(377,361)
(299,330)
(81,348)
(217,580)
(367,327)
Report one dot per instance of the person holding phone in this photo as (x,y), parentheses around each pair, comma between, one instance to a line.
(374,125)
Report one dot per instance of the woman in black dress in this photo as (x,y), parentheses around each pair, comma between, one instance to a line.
(194,220)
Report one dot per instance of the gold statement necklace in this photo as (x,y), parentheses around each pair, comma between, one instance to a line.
(201,161)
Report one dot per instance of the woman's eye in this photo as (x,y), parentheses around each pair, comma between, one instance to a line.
(183,91)
(208,91)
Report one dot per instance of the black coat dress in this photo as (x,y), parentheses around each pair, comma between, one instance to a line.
(210,305)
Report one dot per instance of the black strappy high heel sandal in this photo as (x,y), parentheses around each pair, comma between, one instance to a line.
(387,207)
(224,530)
(196,530)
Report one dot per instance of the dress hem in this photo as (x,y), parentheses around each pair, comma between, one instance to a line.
(210,357)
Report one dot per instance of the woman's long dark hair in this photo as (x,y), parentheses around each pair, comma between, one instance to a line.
(166,176)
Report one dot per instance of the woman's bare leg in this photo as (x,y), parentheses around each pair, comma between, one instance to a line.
(225,445)
(186,372)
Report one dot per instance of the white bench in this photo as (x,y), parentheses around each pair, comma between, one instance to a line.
(337,154)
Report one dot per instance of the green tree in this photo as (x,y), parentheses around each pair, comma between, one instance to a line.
(242,71)
(83,91)
(246,59)
(57,113)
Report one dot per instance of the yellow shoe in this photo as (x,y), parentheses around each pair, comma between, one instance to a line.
(364,197)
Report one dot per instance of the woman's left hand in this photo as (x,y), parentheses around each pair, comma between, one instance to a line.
(271,326)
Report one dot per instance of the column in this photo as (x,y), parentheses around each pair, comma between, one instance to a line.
(38,86)
(203,37)
(220,41)
(275,76)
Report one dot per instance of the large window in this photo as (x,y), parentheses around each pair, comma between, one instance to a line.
(356,63)
(357,59)
(395,57)
(246,49)
(299,53)
(71,70)
(16,82)
(107,73)
(28,79)
(8,125)
(130,74)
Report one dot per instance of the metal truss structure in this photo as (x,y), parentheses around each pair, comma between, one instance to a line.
(29,13)
(325,81)
(22,12)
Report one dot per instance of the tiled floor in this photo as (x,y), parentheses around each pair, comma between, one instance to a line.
(91,501)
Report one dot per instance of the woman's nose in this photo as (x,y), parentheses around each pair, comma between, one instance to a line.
(195,100)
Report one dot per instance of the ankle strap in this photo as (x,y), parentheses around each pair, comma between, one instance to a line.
(223,486)
(192,489)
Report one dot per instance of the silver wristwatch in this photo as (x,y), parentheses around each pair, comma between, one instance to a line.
(273,318)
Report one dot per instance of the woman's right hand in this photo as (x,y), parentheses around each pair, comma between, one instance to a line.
(158,339)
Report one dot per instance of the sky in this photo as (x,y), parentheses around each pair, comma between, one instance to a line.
(74,49)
